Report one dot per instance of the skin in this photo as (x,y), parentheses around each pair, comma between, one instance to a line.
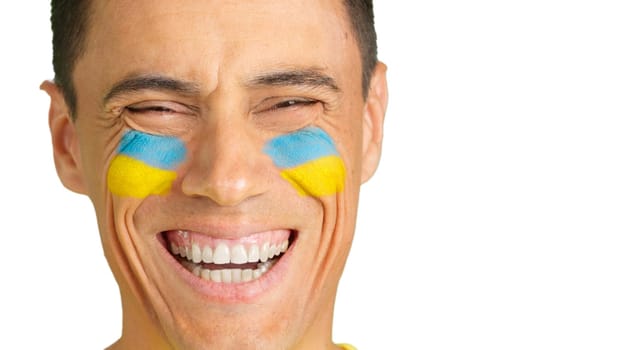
(227,186)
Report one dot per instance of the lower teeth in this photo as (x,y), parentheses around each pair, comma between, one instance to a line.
(228,275)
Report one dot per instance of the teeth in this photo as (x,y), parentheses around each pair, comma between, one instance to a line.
(272,252)
(197,270)
(226,275)
(182,252)
(265,266)
(238,255)
(263,253)
(196,254)
(215,275)
(253,253)
(222,254)
(236,275)
(247,275)
(207,254)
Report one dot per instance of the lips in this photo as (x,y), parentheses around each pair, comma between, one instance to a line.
(228,260)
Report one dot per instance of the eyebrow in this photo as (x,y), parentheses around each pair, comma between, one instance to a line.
(139,83)
(313,78)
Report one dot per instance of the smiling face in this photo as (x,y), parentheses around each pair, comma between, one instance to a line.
(223,145)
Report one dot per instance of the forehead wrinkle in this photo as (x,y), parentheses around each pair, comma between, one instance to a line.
(157,82)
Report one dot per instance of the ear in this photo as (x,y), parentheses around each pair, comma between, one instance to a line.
(64,140)
(373,121)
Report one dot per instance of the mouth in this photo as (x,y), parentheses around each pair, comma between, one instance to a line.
(231,261)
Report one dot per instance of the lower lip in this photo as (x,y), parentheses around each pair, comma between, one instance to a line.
(232,293)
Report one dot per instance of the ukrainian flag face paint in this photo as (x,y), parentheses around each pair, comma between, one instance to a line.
(145,164)
(309,160)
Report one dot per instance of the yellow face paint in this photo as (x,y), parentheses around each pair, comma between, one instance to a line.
(309,161)
(145,164)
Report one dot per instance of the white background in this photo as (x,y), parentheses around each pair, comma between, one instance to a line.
(494,221)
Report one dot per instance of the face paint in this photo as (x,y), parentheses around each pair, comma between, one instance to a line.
(145,164)
(309,161)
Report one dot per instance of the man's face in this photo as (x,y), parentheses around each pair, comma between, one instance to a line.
(223,144)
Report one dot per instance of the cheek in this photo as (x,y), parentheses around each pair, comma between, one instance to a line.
(145,164)
(309,161)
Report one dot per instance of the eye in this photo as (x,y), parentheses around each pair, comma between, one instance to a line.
(154,109)
(286,113)
(158,108)
(293,103)
(160,117)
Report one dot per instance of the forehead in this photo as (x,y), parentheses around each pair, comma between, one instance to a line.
(256,15)
(190,37)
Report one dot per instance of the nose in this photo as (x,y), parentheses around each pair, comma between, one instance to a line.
(227,164)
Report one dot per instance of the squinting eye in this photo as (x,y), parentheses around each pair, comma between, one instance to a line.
(160,109)
(160,117)
(293,103)
(156,109)
(287,113)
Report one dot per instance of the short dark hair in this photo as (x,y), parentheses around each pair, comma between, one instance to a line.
(70,26)
(361,14)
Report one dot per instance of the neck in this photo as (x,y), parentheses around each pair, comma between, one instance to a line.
(139,330)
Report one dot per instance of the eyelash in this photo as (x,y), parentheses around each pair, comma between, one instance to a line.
(157,109)
(293,103)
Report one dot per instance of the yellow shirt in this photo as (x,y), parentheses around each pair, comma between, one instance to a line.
(347,347)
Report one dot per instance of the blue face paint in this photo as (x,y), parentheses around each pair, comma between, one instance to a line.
(145,164)
(309,160)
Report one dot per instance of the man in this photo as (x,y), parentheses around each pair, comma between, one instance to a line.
(223,144)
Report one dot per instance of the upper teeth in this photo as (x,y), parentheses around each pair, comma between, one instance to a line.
(225,254)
